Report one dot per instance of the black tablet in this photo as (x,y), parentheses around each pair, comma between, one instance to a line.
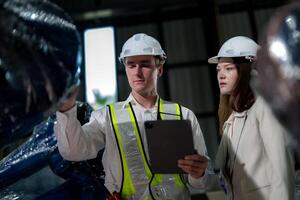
(168,141)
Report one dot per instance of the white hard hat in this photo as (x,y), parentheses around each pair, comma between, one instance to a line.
(239,46)
(141,44)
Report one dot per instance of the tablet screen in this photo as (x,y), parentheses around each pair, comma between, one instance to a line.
(168,141)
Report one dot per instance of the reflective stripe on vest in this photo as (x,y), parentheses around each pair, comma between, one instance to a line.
(136,171)
(168,110)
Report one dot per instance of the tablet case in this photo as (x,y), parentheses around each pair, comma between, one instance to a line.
(168,141)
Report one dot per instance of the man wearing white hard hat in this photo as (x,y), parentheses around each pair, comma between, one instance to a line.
(254,159)
(119,128)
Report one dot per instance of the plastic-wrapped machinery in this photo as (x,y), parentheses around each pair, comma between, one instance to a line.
(40,55)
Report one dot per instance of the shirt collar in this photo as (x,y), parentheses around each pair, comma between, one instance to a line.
(240,114)
(132,100)
(234,115)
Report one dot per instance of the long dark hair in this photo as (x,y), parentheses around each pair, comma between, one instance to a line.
(242,97)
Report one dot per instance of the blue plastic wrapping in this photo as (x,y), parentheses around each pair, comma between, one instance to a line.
(41,151)
(31,156)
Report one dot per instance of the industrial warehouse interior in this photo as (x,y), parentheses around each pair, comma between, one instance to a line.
(189,31)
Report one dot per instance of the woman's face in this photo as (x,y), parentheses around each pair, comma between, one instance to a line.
(227,75)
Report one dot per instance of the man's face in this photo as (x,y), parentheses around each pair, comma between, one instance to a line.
(142,73)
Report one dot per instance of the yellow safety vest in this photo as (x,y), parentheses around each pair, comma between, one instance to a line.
(138,182)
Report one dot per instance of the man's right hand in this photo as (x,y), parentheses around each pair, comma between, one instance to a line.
(194,164)
(70,102)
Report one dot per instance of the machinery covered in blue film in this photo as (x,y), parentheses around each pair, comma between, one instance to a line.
(79,180)
(40,58)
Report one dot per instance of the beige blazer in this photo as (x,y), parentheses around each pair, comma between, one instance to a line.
(253,156)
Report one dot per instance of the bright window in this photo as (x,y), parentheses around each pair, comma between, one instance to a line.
(100,66)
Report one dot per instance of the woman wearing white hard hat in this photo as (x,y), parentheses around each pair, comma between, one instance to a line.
(119,128)
(253,157)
